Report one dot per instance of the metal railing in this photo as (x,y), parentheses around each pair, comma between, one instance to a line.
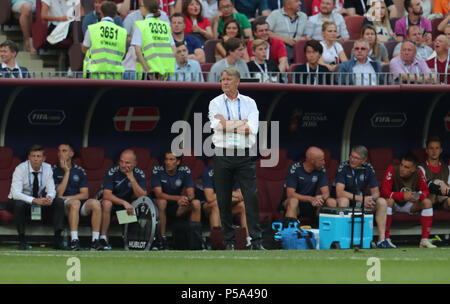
(335,78)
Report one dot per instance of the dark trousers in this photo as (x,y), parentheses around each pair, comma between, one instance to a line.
(244,168)
(22,209)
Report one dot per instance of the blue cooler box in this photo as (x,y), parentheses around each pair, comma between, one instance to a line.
(335,225)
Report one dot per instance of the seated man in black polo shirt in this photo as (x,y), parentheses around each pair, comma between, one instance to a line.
(303,181)
(72,186)
(122,184)
(168,182)
(352,179)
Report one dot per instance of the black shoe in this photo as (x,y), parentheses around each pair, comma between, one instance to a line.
(95,245)
(74,245)
(24,246)
(163,245)
(255,246)
(59,245)
(104,244)
(229,246)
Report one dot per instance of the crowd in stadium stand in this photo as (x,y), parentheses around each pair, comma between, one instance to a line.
(206,26)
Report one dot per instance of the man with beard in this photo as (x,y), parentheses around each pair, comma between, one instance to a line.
(193,44)
(414,17)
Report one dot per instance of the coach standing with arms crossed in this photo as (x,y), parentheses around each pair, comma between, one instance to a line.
(235,120)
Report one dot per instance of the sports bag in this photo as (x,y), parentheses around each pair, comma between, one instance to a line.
(294,237)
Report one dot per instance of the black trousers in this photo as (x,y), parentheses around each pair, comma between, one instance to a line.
(244,168)
(22,209)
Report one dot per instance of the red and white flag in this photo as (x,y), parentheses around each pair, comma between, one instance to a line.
(134,119)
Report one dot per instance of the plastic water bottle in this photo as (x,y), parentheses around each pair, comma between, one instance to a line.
(65,237)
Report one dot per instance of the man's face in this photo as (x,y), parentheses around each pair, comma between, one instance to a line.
(181,54)
(226,8)
(261,52)
(326,6)
(318,161)
(408,51)
(433,150)
(238,53)
(415,34)
(36,159)
(6,54)
(229,83)
(177,25)
(407,168)
(295,5)
(360,51)
(312,56)
(416,7)
(171,162)
(355,160)
(127,162)
(441,44)
(262,32)
(64,152)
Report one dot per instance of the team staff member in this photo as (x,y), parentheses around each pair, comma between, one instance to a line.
(30,180)
(302,182)
(168,182)
(352,179)
(235,120)
(153,42)
(107,43)
(122,184)
(72,186)
(405,190)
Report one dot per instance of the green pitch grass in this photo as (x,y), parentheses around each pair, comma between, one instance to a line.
(402,265)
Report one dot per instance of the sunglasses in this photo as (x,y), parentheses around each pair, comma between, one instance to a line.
(360,48)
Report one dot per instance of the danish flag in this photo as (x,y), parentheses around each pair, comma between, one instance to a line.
(134,119)
(447,121)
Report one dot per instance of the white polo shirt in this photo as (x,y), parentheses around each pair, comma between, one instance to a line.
(241,108)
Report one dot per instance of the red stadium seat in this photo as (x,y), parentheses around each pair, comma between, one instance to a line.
(299,52)
(8,163)
(51,155)
(94,162)
(307,4)
(354,26)
(420,154)
(434,24)
(206,67)
(270,184)
(381,159)
(348,47)
(5,11)
(145,162)
(195,164)
(331,166)
(390,46)
(210,50)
